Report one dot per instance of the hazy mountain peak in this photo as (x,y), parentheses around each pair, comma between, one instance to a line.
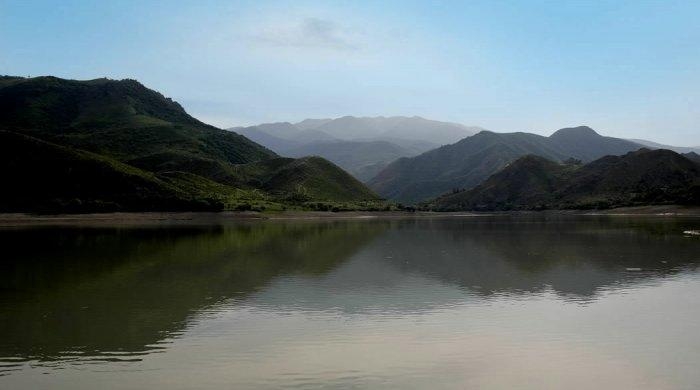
(350,127)
(656,145)
(276,129)
(309,123)
(487,133)
(276,125)
(363,145)
(579,131)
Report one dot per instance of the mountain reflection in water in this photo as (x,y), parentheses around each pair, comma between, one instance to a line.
(106,296)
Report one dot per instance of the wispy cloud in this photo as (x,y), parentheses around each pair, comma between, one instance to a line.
(314,33)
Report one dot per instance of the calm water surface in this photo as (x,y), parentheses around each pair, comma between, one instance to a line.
(487,302)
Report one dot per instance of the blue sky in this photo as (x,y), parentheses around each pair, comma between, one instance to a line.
(627,69)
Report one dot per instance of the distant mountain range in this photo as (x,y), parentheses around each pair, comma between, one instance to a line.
(399,159)
(677,149)
(532,182)
(396,127)
(362,159)
(106,145)
(362,146)
(352,128)
(469,162)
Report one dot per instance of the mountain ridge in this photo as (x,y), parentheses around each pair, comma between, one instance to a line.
(415,128)
(467,163)
(352,142)
(657,145)
(532,182)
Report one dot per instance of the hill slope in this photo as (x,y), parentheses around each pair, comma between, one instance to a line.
(532,182)
(362,159)
(142,132)
(39,176)
(584,144)
(282,136)
(472,160)
(316,178)
(272,142)
(122,119)
(692,156)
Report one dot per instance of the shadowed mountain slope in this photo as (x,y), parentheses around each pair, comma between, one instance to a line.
(127,131)
(469,162)
(44,177)
(692,156)
(638,178)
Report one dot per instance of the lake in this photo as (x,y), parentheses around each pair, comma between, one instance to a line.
(528,302)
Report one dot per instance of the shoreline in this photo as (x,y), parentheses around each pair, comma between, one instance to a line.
(206,218)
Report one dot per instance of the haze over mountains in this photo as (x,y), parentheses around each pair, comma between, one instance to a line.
(362,146)
(395,127)
(396,158)
(677,149)
(469,162)
(107,145)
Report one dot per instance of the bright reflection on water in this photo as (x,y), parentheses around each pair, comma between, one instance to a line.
(487,302)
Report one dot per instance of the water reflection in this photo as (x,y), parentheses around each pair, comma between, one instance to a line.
(573,256)
(407,267)
(72,292)
(76,295)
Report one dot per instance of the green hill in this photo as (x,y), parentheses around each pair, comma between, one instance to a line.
(469,162)
(123,129)
(317,178)
(40,176)
(531,183)
(122,119)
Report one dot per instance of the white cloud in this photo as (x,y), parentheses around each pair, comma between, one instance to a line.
(310,32)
